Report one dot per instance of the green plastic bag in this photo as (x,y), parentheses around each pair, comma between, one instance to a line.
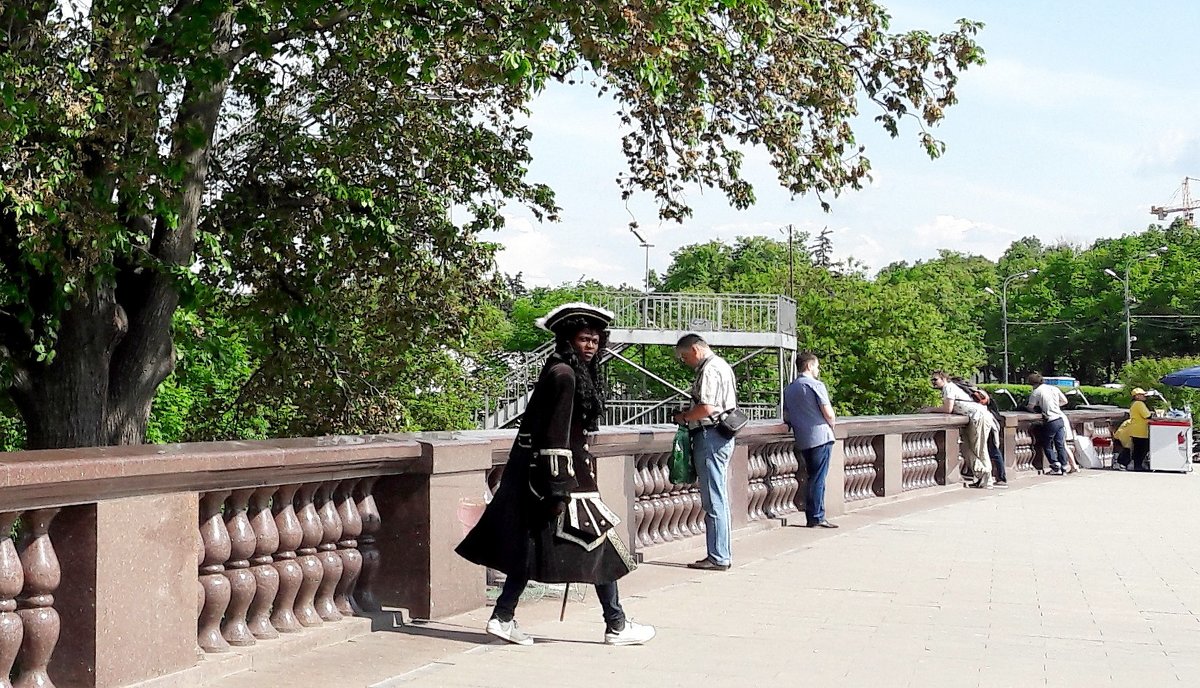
(682,470)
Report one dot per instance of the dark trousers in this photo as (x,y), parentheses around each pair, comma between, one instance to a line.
(1054,444)
(998,473)
(816,463)
(1141,452)
(1125,453)
(510,595)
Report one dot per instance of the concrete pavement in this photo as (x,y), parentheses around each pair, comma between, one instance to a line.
(1089,580)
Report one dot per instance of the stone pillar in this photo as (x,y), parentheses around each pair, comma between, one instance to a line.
(421,524)
(948,457)
(128,592)
(1010,445)
(892,463)
(614,477)
(835,480)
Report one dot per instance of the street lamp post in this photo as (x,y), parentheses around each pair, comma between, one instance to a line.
(1004,311)
(1128,300)
(646,245)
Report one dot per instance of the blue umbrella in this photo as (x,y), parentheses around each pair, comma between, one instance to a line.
(1188,377)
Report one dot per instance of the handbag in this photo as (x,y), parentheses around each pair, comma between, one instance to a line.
(682,472)
(731,423)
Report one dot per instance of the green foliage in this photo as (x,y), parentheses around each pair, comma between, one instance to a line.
(1077,310)
(878,339)
(1095,395)
(305,157)
(1146,373)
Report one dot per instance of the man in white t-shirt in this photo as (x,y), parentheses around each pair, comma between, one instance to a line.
(1048,400)
(713,393)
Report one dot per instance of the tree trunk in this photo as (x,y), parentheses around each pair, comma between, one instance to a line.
(66,403)
(114,346)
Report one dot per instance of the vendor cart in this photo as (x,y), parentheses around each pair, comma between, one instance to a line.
(1170,445)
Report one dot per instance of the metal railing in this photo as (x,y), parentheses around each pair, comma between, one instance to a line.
(699,312)
(638,311)
(637,412)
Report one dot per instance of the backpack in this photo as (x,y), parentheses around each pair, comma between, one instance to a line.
(977,395)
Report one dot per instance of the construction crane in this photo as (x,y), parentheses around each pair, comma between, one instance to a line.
(1185,203)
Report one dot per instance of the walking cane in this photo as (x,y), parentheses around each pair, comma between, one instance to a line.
(563,612)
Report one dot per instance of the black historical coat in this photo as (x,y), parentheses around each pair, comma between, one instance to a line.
(520,532)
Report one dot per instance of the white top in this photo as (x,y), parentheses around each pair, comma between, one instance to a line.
(963,403)
(1050,398)
(715,386)
(953,391)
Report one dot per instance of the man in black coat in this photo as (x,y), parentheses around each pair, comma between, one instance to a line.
(547,521)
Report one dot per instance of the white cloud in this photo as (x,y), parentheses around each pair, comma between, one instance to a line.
(1013,81)
(525,250)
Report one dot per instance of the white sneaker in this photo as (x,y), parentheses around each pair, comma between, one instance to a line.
(632,634)
(508,630)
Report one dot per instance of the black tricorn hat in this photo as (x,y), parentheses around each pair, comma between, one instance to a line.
(594,314)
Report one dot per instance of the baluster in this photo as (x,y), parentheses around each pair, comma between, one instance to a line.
(762,487)
(266,578)
(199,547)
(364,593)
(764,470)
(12,580)
(310,564)
(348,547)
(237,569)
(331,562)
(906,465)
(933,454)
(35,605)
(639,522)
(778,481)
(683,507)
(212,578)
(874,466)
(639,506)
(752,488)
(851,469)
(791,465)
(697,517)
(658,509)
(283,617)
(664,498)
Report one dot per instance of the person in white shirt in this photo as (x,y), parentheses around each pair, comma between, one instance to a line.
(980,431)
(713,394)
(1048,400)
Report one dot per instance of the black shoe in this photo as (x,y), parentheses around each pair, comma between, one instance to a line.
(707,564)
(821,524)
(1056,471)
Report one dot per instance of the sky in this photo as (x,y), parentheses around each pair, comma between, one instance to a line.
(1084,116)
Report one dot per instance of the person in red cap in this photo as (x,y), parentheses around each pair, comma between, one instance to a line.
(547,521)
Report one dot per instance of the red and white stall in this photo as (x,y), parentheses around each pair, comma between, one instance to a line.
(1171,444)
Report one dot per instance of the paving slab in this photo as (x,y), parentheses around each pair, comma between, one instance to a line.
(1084,580)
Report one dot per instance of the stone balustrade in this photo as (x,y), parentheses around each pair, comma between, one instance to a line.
(131,563)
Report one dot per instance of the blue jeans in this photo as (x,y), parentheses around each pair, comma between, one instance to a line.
(1054,440)
(816,463)
(711,453)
